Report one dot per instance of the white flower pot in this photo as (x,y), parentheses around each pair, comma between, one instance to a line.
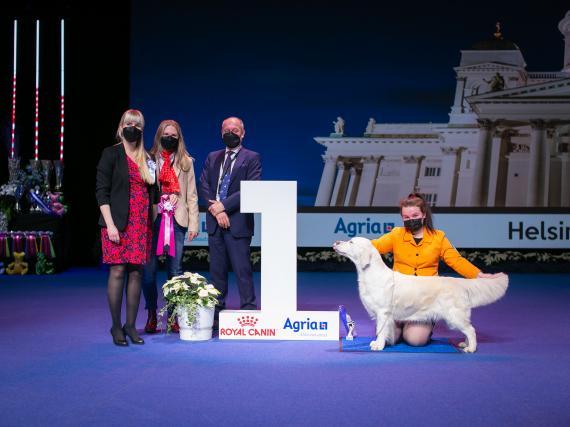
(201,330)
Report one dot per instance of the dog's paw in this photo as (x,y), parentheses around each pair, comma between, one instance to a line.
(377,345)
(469,349)
(462,345)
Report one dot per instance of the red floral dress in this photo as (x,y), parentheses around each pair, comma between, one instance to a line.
(135,240)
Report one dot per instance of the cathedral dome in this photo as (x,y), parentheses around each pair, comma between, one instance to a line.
(497,42)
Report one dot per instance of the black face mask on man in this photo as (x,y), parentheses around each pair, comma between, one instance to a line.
(414,225)
(231,139)
(169,143)
(132,133)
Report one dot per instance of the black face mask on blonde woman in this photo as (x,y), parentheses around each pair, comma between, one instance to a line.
(131,133)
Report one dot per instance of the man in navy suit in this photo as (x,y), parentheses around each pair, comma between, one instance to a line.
(229,230)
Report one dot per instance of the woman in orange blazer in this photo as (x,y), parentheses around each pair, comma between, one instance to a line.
(417,248)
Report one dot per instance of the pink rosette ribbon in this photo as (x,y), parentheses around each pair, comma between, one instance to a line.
(4,248)
(17,242)
(166,233)
(31,245)
(46,245)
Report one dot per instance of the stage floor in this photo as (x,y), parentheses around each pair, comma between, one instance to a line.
(58,365)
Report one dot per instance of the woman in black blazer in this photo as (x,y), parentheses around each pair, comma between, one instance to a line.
(125,192)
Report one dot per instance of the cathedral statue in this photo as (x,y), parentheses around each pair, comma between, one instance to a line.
(339,126)
(496,83)
(370,126)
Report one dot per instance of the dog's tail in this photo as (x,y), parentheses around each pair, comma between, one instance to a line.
(486,291)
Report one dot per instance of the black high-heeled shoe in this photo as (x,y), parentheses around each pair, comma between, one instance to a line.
(132,334)
(121,342)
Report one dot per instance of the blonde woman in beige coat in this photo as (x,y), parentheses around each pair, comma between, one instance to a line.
(177,185)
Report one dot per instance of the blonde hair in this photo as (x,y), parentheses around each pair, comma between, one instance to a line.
(141,156)
(183,159)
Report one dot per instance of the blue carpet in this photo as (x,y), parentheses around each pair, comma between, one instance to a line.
(59,367)
(436,345)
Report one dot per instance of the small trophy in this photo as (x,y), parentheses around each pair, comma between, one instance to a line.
(33,204)
(58,166)
(349,324)
(13,168)
(36,165)
(351,328)
(47,168)
(18,193)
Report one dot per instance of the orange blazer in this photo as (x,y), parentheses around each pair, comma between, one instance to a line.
(423,259)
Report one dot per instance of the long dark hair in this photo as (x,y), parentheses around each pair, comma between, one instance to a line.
(417,200)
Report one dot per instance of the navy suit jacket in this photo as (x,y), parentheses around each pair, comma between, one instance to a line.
(247,167)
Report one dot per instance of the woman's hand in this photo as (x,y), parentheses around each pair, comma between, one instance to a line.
(482,275)
(113,234)
(173,198)
(191,235)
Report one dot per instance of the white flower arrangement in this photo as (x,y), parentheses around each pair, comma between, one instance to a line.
(8,189)
(187,292)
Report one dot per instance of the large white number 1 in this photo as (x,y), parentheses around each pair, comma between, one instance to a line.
(278,317)
(277,203)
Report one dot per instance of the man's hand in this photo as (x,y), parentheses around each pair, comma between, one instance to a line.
(216,207)
(223,220)
(192,235)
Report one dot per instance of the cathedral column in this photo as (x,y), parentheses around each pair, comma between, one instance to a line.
(327,181)
(564,179)
(479,175)
(367,185)
(494,166)
(535,163)
(458,107)
(340,184)
(498,165)
(353,184)
(547,150)
(446,193)
(409,174)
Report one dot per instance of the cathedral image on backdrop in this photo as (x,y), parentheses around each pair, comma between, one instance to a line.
(507,142)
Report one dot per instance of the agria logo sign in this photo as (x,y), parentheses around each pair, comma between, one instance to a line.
(354,228)
(305,327)
(247,328)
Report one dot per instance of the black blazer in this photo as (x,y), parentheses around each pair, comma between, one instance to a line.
(112,187)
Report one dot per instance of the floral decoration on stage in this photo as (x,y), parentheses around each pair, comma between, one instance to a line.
(188,291)
(34,185)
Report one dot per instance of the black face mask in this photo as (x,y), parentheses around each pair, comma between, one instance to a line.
(169,143)
(414,225)
(132,133)
(231,139)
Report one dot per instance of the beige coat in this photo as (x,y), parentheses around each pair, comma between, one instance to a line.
(186,213)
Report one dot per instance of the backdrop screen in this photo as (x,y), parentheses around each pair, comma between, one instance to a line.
(289,71)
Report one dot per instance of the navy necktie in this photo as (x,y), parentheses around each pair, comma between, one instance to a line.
(226,173)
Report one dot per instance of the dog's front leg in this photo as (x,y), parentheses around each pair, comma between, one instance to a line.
(384,331)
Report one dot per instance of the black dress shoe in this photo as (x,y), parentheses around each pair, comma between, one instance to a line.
(118,340)
(132,334)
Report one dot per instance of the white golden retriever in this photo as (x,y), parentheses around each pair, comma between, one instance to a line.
(389,296)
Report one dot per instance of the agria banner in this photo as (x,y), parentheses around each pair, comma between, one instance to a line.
(465,230)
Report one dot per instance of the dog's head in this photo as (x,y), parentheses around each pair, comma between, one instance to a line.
(358,249)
